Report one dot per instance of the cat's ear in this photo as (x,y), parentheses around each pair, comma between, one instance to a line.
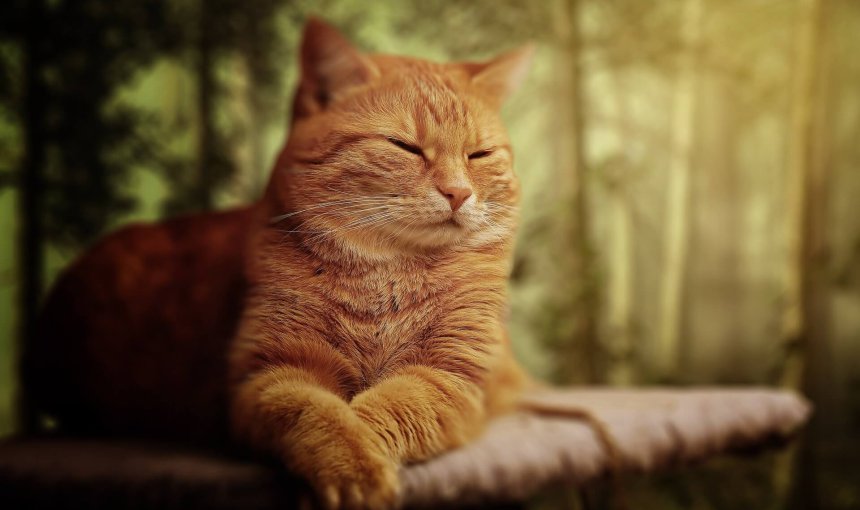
(500,77)
(329,66)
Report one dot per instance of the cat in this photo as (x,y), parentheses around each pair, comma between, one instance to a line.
(351,321)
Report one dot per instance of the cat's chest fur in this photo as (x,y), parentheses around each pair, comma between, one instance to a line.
(379,317)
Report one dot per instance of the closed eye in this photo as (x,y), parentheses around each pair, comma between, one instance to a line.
(480,154)
(407,147)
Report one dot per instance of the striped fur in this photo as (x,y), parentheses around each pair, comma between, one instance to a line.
(374,332)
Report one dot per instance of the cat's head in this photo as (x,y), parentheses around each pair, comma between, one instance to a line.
(395,154)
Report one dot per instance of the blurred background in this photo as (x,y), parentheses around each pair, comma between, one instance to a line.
(691,176)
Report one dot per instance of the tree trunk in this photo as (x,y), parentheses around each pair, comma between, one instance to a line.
(678,194)
(201,191)
(30,230)
(805,314)
(805,189)
(247,152)
(619,294)
(619,299)
(583,344)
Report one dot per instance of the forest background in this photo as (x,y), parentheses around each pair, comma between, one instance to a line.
(691,177)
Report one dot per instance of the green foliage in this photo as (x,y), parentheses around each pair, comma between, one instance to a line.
(83,51)
(87,52)
(213,32)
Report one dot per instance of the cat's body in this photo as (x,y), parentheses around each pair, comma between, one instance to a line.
(370,280)
(134,334)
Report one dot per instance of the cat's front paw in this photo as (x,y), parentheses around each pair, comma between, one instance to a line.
(350,470)
(364,483)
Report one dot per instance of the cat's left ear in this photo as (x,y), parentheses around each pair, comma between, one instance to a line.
(502,76)
(330,66)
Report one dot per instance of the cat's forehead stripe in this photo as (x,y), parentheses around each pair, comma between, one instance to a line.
(439,101)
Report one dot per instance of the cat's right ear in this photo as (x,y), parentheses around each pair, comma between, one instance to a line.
(330,65)
(500,77)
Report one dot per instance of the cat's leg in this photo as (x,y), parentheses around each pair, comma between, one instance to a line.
(289,411)
(440,399)
(421,411)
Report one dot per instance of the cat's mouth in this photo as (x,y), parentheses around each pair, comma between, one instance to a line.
(449,224)
(434,232)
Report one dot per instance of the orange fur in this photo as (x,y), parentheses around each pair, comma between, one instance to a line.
(372,332)
(379,301)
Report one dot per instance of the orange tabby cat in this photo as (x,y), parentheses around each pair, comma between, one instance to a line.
(362,300)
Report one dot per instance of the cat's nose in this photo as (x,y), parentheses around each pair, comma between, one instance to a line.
(456,195)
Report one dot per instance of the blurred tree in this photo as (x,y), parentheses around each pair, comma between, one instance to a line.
(509,21)
(79,144)
(620,345)
(217,31)
(576,302)
(212,164)
(622,39)
(805,319)
(804,228)
(678,195)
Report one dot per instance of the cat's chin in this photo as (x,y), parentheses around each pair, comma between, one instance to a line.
(417,238)
(448,234)
(443,234)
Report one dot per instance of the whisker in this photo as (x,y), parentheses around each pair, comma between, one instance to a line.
(367,221)
(368,209)
(281,217)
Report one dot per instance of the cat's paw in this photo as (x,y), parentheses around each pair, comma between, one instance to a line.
(356,476)
(367,487)
(346,463)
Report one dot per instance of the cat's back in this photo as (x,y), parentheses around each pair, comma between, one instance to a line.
(132,338)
